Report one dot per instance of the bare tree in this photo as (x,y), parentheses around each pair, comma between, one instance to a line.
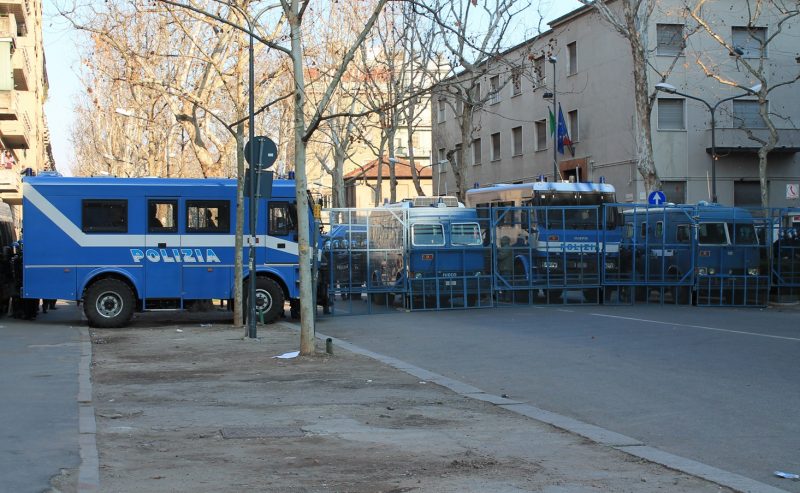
(757,15)
(472,32)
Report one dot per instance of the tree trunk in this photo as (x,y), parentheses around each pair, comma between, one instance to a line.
(238,275)
(307,309)
(642,128)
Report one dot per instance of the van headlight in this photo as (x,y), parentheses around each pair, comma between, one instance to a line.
(549,265)
(711,271)
(702,271)
(611,265)
(753,271)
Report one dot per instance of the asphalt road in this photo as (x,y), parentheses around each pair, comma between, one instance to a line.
(39,408)
(717,385)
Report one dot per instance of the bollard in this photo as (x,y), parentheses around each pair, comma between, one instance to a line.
(329,345)
(261,317)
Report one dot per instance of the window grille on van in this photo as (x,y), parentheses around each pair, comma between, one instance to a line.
(433,201)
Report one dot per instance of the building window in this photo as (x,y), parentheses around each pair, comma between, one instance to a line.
(670,114)
(494,87)
(675,191)
(746,115)
(496,147)
(539,74)
(442,155)
(459,106)
(440,113)
(105,216)
(747,194)
(476,92)
(541,135)
(574,135)
(516,141)
(516,81)
(208,216)
(670,39)
(458,156)
(572,52)
(750,40)
(476,151)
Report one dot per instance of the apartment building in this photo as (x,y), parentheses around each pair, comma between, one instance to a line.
(590,67)
(24,137)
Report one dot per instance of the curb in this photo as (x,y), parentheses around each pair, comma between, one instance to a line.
(594,433)
(89,470)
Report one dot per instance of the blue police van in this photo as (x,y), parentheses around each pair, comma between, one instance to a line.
(706,253)
(434,250)
(125,244)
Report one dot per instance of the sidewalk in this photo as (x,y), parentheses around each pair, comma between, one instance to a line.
(196,408)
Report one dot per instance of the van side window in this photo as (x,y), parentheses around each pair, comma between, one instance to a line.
(683,233)
(643,230)
(465,234)
(282,218)
(712,234)
(104,216)
(628,231)
(427,235)
(162,216)
(208,216)
(659,229)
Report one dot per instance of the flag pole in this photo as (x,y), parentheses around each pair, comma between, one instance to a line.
(553,60)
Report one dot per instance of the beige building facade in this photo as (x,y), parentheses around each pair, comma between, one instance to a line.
(594,87)
(24,137)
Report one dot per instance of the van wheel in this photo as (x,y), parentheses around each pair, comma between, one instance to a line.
(269,300)
(109,303)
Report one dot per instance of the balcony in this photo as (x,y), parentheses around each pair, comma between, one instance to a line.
(16,133)
(20,9)
(22,68)
(735,140)
(10,180)
(8,26)
(9,104)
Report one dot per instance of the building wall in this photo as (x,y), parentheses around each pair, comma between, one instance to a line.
(601,90)
(23,128)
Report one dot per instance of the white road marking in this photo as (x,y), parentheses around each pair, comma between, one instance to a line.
(698,327)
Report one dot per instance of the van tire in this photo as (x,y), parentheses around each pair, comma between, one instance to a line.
(109,303)
(269,300)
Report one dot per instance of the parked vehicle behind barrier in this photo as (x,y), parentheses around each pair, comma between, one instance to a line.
(706,251)
(433,250)
(343,261)
(551,236)
(8,238)
(126,244)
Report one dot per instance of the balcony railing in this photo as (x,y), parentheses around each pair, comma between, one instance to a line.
(733,139)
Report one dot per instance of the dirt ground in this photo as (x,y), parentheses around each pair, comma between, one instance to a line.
(198,409)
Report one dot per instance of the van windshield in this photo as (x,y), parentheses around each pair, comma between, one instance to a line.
(711,234)
(743,234)
(578,217)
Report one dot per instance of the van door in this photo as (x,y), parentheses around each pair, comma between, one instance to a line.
(281,241)
(162,249)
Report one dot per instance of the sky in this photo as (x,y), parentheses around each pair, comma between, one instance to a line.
(61,42)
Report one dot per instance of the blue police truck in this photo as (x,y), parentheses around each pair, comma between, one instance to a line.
(551,236)
(125,244)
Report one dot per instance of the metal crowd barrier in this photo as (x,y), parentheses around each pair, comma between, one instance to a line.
(375,260)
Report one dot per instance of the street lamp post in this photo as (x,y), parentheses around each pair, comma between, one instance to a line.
(670,89)
(553,61)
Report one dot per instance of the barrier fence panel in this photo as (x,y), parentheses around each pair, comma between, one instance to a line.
(731,262)
(361,252)
(654,257)
(449,261)
(419,258)
(783,233)
(548,254)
